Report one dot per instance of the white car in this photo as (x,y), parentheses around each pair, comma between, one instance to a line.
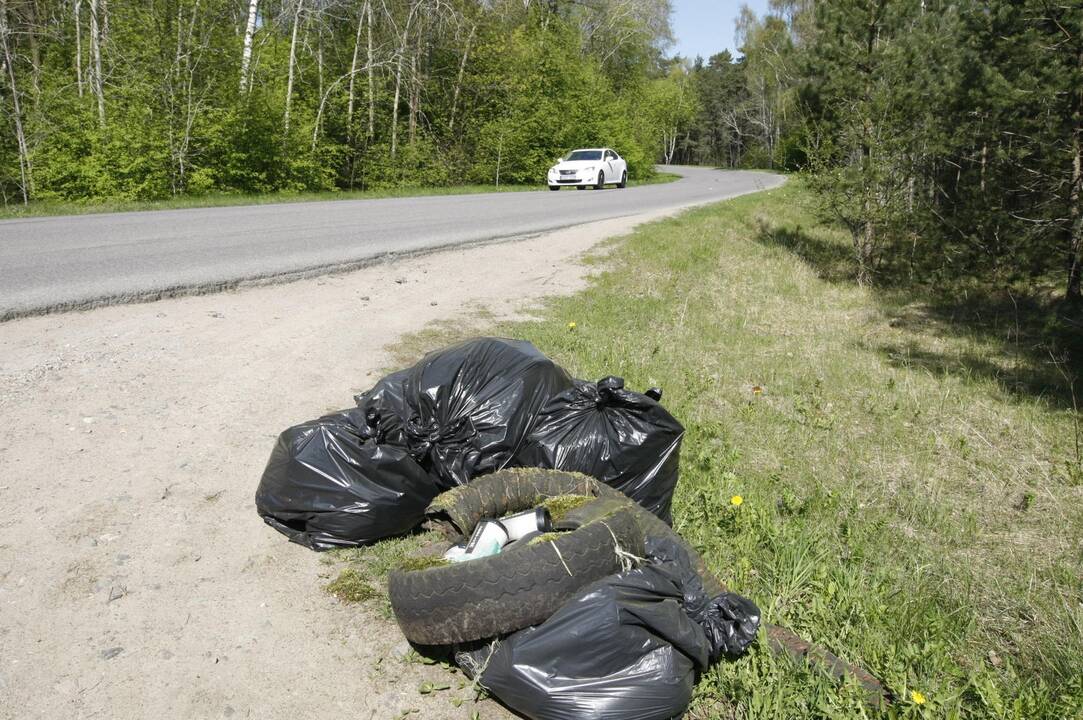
(596,167)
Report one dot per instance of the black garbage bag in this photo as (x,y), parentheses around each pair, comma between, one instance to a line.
(622,649)
(623,438)
(466,410)
(729,620)
(327,484)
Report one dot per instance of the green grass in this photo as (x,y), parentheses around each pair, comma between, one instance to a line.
(39,208)
(911,484)
(351,586)
(363,571)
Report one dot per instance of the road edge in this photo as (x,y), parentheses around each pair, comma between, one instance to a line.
(340,268)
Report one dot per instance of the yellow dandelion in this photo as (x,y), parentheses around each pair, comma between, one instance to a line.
(736,500)
(917,697)
(572,325)
(757,390)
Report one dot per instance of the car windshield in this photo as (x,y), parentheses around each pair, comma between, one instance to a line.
(584,155)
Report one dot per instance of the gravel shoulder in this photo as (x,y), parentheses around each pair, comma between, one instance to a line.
(136,579)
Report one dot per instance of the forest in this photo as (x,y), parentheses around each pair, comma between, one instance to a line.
(157,98)
(945,136)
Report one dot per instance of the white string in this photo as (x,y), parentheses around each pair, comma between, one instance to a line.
(626,559)
(476,670)
(561,558)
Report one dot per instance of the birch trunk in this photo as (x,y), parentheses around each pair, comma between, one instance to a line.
(78,47)
(96,61)
(20,137)
(398,79)
(32,24)
(293,63)
(319,59)
(372,79)
(246,52)
(184,51)
(395,105)
(414,94)
(459,80)
(353,72)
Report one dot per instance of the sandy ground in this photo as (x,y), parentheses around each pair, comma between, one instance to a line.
(136,579)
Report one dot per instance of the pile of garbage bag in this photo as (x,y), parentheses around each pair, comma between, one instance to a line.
(329,484)
(627,647)
(607,614)
(591,608)
(367,473)
(623,438)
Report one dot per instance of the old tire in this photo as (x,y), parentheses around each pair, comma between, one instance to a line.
(510,591)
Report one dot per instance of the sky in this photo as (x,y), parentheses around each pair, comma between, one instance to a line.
(705,27)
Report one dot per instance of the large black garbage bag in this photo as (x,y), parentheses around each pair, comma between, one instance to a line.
(623,438)
(465,410)
(622,649)
(328,485)
(729,620)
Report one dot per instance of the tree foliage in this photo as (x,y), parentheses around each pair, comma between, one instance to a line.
(103,99)
(947,136)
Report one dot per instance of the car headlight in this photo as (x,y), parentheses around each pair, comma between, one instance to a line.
(589,169)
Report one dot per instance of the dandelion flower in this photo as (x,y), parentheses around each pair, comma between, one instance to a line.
(572,325)
(736,500)
(757,390)
(917,697)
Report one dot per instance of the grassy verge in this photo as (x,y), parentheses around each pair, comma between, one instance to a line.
(921,519)
(42,208)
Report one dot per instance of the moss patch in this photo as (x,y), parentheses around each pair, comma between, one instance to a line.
(423,562)
(561,505)
(545,537)
(350,586)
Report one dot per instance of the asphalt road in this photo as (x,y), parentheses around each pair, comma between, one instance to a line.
(54,263)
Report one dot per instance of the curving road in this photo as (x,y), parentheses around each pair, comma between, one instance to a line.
(54,263)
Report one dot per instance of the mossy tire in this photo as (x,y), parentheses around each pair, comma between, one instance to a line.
(523,586)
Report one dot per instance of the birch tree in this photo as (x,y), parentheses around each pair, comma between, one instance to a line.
(292,62)
(25,170)
(246,48)
(96,79)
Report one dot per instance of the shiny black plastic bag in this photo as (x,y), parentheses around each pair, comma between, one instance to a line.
(623,438)
(729,621)
(327,484)
(466,410)
(622,649)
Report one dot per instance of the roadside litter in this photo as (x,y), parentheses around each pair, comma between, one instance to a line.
(329,485)
(561,587)
(466,410)
(623,438)
(605,617)
(367,473)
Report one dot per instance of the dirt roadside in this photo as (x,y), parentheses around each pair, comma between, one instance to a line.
(136,579)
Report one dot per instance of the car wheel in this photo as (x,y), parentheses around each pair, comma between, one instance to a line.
(580,187)
(623,180)
(554,188)
(601,181)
